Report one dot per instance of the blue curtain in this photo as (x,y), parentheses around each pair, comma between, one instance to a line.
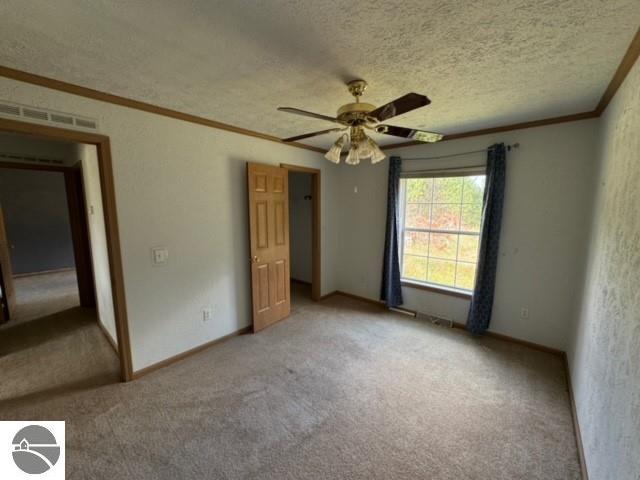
(482,300)
(391,292)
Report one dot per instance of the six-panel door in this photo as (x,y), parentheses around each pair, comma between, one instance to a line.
(269,239)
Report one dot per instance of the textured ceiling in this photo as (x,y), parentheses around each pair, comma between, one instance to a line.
(483,63)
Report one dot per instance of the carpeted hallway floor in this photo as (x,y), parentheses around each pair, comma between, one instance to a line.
(340,390)
(44,294)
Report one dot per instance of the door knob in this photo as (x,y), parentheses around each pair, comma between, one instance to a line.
(255,259)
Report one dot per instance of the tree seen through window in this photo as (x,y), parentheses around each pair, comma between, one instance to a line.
(441,228)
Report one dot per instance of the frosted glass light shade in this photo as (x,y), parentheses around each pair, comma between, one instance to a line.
(333,155)
(353,158)
(365,149)
(377,155)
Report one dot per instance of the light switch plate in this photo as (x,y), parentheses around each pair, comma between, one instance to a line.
(159,255)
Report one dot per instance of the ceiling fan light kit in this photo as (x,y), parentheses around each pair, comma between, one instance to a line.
(357,116)
(333,154)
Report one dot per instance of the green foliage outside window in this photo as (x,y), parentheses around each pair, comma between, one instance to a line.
(441,227)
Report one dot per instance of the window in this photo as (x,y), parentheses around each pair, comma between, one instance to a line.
(440,218)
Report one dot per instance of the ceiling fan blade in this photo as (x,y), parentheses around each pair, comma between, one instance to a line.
(421,135)
(297,111)
(313,134)
(401,105)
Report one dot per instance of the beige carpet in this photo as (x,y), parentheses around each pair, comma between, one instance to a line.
(44,294)
(340,390)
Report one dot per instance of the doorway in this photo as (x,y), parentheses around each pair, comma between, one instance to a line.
(304,232)
(269,240)
(43,259)
(92,222)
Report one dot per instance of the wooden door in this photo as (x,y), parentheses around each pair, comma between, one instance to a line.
(268,188)
(6,283)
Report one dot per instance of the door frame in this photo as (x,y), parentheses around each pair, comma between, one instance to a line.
(105,168)
(316,231)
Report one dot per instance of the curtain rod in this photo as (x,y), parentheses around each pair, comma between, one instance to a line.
(509,147)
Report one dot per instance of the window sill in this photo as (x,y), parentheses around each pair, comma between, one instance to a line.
(432,288)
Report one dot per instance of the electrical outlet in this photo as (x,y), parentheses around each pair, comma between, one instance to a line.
(524,312)
(207,314)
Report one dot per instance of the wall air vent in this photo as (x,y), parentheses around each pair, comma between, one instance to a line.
(9,109)
(36,114)
(40,115)
(86,123)
(67,120)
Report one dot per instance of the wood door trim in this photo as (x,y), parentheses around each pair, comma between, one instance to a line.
(78,90)
(105,167)
(316,230)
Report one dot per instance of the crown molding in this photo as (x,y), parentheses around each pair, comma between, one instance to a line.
(628,60)
(73,89)
(503,128)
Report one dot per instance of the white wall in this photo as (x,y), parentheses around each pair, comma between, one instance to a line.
(300,225)
(88,155)
(604,354)
(543,242)
(183,186)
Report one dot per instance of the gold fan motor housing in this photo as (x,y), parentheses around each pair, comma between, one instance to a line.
(354,112)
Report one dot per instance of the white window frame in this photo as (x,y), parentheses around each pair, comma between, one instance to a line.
(447,173)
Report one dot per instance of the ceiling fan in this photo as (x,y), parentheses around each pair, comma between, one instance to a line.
(357,117)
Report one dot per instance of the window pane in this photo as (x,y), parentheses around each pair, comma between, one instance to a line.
(419,190)
(442,272)
(443,245)
(473,189)
(414,267)
(466,275)
(446,216)
(443,203)
(417,215)
(416,243)
(468,248)
(447,190)
(471,217)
